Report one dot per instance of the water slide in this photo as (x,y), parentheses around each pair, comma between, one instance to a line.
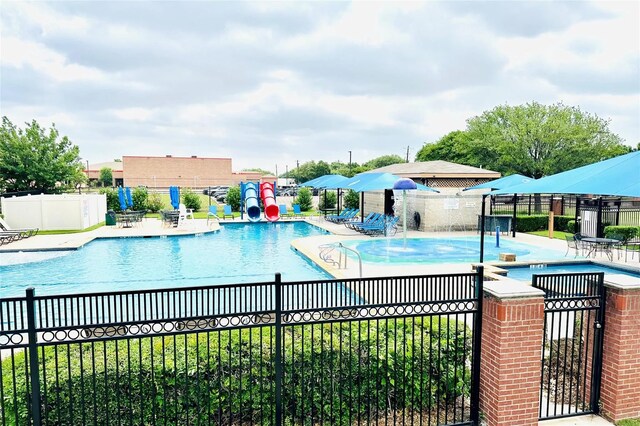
(251,201)
(271,210)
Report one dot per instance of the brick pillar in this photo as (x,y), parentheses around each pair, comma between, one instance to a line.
(512,330)
(620,390)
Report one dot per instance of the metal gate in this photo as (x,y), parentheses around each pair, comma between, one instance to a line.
(572,343)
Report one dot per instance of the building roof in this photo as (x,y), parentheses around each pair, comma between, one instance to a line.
(113,165)
(436,169)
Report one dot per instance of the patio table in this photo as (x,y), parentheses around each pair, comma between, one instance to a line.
(603,244)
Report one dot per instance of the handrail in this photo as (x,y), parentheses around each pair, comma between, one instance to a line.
(327,249)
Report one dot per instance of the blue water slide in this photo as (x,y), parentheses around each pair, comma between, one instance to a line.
(251,201)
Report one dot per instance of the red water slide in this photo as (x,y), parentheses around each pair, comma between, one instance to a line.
(271,210)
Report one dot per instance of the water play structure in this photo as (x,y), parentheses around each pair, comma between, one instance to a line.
(251,205)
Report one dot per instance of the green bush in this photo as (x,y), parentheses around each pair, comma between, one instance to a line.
(139,197)
(154,202)
(351,199)
(233,198)
(339,371)
(327,200)
(624,233)
(540,222)
(571,227)
(190,199)
(113,202)
(304,199)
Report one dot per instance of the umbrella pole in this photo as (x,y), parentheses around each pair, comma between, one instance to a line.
(404,216)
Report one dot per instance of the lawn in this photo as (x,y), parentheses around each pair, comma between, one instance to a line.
(629,422)
(560,235)
(71,231)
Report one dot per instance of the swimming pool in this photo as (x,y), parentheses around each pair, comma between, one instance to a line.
(237,253)
(524,273)
(445,250)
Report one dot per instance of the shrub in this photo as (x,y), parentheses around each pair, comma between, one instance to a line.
(139,197)
(540,222)
(154,202)
(113,203)
(328,200)
(571,227)
(233,198)
(190,199)
(624,233)
(304,199)
(228,376)
(351,199)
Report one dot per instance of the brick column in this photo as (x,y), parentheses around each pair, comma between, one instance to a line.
(512,330)
(620,390)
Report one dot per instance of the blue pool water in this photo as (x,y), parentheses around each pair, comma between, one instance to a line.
(445,250)
(238,253)
(523,273)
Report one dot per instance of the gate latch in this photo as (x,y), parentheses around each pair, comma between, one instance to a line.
(598,325)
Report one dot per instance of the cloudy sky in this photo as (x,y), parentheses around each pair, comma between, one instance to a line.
(269,83)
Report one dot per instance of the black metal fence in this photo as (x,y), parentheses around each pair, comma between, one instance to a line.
(572,343)
(367,351)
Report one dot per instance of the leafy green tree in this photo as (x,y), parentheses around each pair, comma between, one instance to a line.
(304,199)
(36,158)
(263,172)
(233,198)
(154,202)
(113,202)
(309,170)
(382,161)
(328,200)
(533,139)
(106,176)
(351,199)
(191,200)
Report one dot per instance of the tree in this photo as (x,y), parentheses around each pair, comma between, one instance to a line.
(191,200)
(35,158)
(533,139)
(328,200)
(263,172)
(139,197)
(233,198)
(351,199)
(106,176)
(382,161)
(309,170)
(304,199)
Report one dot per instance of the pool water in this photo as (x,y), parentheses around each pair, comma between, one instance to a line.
(445,250)
(237,253)
(524,273)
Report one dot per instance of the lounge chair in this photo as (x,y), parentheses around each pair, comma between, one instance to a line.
(338,217)
(367,220)
(296,210)
(21,232)
(375,221)
(227,212)
(387,227)
(212,213)
(283,211)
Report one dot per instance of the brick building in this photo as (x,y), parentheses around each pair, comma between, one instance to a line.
(162,172)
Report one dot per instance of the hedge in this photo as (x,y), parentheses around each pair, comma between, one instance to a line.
(339,371)
(531,223)
(624,233)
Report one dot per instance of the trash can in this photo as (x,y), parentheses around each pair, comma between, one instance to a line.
(110,218)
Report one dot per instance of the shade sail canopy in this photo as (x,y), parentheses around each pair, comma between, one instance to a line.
(324,181)
(373,182)
(503,182)
(618,176)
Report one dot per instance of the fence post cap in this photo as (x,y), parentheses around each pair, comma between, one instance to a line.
(511,289)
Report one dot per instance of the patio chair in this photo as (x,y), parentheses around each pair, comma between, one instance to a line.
(572,244)
(184,215)
(212,213)
(283,211)
(227,212)
(296,210)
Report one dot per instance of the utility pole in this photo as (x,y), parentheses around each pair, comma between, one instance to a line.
(407,153)
(349,162)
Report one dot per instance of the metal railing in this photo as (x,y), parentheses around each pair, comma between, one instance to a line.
(358,351)
(326,254)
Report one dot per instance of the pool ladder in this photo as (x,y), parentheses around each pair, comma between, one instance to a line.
(326,254)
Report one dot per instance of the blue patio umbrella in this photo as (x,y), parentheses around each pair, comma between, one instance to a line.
(129,199)
(123,202)
(174,194)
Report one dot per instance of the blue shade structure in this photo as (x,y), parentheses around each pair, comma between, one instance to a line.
(121,198)
(503,182)
(324,181)
(618,176)
(127,192)
(374,182)
(174,194)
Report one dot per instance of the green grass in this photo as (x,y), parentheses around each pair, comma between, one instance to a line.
(71,231)
(560,235)
(629,422)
